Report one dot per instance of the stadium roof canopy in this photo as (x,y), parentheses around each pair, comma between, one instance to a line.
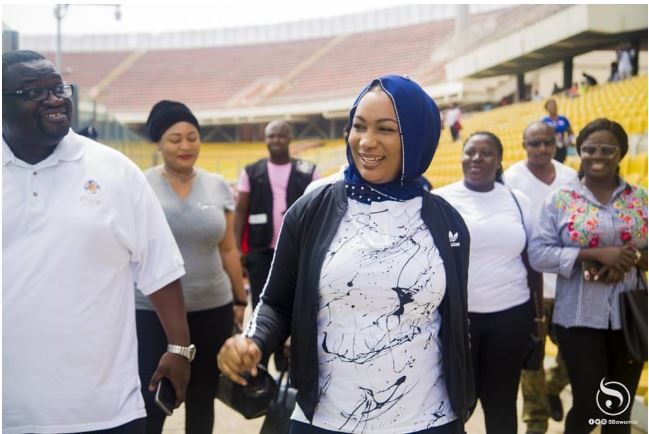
(565,34)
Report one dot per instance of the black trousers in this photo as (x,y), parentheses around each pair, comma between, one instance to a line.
(499,342)
(258,266)
(455,427)
(208,330)
(593,355)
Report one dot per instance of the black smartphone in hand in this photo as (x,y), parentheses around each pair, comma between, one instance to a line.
(165,396)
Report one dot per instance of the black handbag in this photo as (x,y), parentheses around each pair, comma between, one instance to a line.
(281,408)
(252,400)
(633,315)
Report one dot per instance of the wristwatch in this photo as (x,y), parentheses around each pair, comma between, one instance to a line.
(188,352)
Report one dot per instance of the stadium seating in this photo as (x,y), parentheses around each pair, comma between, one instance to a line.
(260,74)
(89,69)
(228,159)
(506,122)
(624,102)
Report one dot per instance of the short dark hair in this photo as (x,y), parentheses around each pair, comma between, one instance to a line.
(495,141)
(604,124)
(283,123)
(536,123)
(545,106)
(11,58)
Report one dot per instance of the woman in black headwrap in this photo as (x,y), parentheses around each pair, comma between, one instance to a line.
(200,210)
(369,279)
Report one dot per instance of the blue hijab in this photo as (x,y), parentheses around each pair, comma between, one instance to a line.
(419,127)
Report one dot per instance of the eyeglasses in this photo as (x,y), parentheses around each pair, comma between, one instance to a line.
(537,143)
(604,150)
(39,94)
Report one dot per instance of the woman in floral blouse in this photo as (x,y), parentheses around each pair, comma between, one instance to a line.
(593,234)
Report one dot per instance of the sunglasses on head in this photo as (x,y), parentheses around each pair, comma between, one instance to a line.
(604,150)
(537,142)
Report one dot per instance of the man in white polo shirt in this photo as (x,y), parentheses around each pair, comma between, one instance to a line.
(80,225)
(537,176)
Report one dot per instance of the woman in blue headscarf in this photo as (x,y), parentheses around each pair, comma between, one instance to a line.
(369,279)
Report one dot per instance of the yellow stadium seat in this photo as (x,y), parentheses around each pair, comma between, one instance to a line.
(638,164)
(642,384)
(625,102)
(624,165)
(573,161)
(633,178)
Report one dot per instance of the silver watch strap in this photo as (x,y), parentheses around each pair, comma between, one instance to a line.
(180,350)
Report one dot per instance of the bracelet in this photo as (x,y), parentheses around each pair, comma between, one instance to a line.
(240,303)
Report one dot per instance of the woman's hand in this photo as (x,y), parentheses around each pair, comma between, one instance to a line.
(608,275)
(619,258)
(238,354)
(238,316)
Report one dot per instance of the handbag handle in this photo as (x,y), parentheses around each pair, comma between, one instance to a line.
(640,279)
(284,397)
(539,318)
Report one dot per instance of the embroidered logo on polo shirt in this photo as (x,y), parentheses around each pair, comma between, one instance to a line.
(91,186)
(452,238)
(90,198)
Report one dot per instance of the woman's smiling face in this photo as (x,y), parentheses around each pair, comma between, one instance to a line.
(480,162)
(600,155)
(375,139)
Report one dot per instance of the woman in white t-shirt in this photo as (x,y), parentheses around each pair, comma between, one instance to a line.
(500,309)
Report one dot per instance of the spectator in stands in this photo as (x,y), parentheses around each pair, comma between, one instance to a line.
(537,176)
(562,129)
(601,219)
(200,210)
(614,75)
(590,80)
(500,308)
(366,273)
(625,57)
(80,225)
(453,118)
